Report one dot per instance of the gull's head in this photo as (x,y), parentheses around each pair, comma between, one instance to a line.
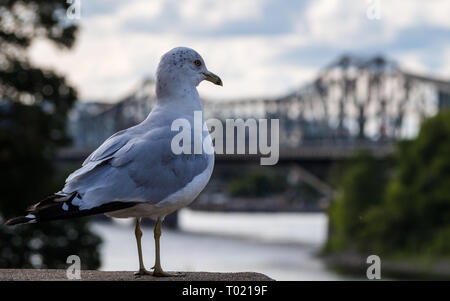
(183,67)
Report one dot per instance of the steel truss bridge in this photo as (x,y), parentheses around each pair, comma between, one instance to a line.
(353,104)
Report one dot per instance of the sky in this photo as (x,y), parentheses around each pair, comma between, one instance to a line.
(260,48)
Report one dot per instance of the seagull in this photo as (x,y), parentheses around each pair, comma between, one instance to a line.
(135,173)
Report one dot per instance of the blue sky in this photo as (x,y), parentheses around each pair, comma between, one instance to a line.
(260,48)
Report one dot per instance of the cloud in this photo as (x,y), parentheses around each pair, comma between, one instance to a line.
(346,24)
(100,7)
(192,17)
(212,13)
(446,65)
(399,14)
(258,47)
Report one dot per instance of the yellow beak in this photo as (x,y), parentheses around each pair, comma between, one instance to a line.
(211,77)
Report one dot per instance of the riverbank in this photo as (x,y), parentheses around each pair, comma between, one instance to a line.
(417,268)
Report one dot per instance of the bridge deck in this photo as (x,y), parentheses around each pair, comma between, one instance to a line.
(287,154)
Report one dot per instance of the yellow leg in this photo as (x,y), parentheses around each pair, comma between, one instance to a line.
(158,272)
(138,233)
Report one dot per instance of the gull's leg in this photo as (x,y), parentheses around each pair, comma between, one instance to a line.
(158,272)
(138,233)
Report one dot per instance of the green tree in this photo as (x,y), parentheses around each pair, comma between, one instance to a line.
(404,215)
(415,217)
(257,184)
(34,103)
(361,188)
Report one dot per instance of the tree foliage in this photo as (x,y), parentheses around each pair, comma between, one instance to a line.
(256,184)
(34,103)
(409,214)
(361,188)
(415,217)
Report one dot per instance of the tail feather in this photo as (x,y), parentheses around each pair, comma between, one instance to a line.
(54,208)
(21,220)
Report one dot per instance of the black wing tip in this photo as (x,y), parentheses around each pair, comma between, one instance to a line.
(19,220)
(56,212)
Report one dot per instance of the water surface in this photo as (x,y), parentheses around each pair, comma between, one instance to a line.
(280,245)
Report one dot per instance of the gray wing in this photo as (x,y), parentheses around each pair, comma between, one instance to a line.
(104,152)
(109,147)
(141,168)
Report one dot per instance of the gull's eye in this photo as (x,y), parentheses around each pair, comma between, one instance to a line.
(197,63)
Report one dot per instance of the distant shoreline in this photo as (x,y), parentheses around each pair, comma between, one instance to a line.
(406,269)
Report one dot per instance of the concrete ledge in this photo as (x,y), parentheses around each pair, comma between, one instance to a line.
(88,275)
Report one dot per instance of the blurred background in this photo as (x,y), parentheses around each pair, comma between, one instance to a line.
(362,92)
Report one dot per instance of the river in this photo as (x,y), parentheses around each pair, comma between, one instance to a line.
(280,245)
